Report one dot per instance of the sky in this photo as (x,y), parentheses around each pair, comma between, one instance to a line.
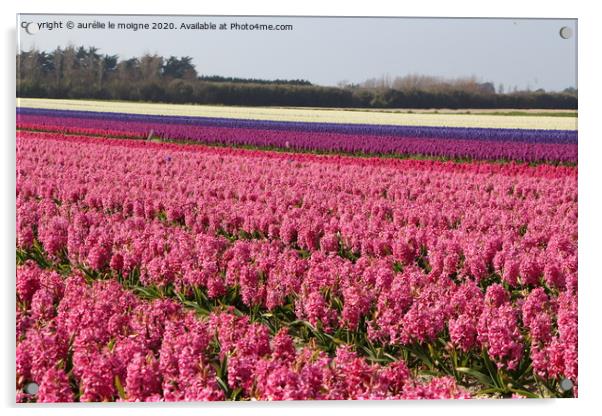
(521,53)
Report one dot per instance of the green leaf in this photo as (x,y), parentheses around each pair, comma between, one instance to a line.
(525,393)
(430,373)
(491,391)
(235,394)
(390,357)
(423,357)
(120,388)
(492,369)
(483,378)
(223,385)
(333,339)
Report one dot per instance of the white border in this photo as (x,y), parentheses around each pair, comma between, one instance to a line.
(590,217)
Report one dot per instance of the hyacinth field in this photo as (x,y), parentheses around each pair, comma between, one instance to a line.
(558,146)
(193,258)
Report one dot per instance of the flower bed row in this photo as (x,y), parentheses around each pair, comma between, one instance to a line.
(488,144)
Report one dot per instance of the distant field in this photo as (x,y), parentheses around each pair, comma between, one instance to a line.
(533,112)
(518,119)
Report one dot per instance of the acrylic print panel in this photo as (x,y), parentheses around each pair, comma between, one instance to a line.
(294,208)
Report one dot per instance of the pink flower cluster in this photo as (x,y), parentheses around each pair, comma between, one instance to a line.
(101,343)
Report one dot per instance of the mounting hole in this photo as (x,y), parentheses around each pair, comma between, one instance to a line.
(566,384)
(31,388)
(566,32)
(31,28)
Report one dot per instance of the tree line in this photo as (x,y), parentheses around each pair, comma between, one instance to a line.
(85,73)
